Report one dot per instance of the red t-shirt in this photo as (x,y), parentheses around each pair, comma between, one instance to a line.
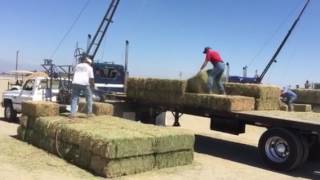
(213,56)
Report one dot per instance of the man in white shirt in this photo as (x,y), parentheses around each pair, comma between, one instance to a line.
(83,80)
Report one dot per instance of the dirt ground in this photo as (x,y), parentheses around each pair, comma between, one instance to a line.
(217,156)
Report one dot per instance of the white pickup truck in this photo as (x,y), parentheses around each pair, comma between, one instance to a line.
(35,89)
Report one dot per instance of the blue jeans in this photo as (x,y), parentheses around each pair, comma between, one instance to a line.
(289,101)
(214,78)
(76,90)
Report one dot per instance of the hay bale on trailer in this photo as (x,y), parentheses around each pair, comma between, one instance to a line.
(302,107)
(308,96)
(199,83)
(219,102)
(155,90)
(266,96)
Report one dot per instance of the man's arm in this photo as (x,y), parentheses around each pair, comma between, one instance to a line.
(203,65)
(91,82)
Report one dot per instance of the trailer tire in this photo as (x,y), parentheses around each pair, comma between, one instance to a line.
(281,149)
(9,113)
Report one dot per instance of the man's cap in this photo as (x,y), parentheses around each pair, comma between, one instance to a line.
(206,49)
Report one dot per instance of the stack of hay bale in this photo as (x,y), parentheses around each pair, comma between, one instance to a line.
(160,91)
(172,93)
(106,145)
(309,96)
(266,96)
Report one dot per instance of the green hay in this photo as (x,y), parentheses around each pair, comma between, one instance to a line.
(308,96)
(172,159)
(120,167)
(266,96)
(259,91)
(40,108)
(218,102)
(316,108)
(302,107)
(283,107)
(160,91)
(199,83)
(97,108)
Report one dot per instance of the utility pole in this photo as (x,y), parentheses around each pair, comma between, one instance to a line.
(17,60)
(126,74)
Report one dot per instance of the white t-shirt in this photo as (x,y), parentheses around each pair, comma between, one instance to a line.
(82,73)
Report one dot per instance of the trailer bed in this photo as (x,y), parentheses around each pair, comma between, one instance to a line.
(299,120)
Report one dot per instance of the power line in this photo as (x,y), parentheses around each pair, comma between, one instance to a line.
(70,29)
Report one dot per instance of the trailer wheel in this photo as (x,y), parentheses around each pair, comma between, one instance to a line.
(9,112)
(281,149)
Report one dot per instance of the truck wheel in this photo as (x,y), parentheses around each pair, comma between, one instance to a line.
(281,149)
(9,112)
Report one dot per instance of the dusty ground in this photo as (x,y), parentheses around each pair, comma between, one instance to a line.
(217,156)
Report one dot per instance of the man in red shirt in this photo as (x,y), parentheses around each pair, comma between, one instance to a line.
(217,71)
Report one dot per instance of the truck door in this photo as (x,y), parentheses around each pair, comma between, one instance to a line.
(26,93)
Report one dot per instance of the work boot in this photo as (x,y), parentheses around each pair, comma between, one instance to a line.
(89,115)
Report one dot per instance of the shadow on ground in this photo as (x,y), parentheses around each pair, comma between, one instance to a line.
(249,155)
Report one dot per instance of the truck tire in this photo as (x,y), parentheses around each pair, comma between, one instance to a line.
(314,152)
(281,149)
(9,113)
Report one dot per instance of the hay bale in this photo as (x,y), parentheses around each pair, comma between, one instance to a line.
(155,90)
(218,102)
(119,167)
(97,108)
(316,108)
(259,91)
(284,107)
(172,159)
(199,83)
(302,107)
(266,96)
(40,108)
(308,96)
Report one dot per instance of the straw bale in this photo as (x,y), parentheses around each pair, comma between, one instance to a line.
(164,139)
(284,107)
(260,91)
(40,108)
(199,83)
(21,131)
(113,137)
(172,159)
(97,108)
(308,96)
(155,90)
(218,102)
(120,167)
(316,108)
(302,107)
(27,121)
(267,104)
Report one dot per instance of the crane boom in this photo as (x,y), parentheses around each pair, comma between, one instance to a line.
(273,59)
(99,35)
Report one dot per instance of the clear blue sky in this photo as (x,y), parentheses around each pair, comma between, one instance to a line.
(167,36)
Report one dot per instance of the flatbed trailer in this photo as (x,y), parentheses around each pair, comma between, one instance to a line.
(286,144)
